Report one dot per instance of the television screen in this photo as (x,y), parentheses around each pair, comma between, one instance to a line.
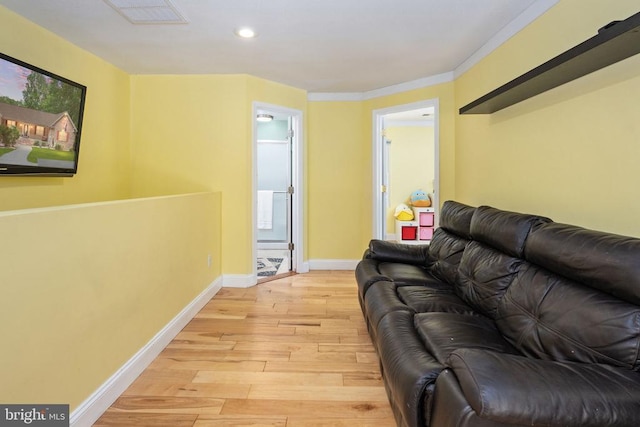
(40,120)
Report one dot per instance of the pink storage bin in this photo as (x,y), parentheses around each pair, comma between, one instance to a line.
(426,233)
(426,219)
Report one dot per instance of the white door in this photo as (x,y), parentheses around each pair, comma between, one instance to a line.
(274,191)
(393,181)
(277,189)
(386,182)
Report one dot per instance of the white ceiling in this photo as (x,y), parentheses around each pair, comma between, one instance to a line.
(316,45)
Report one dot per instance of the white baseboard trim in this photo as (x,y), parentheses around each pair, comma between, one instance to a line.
(239,280)
(333,264)
(95,405)
(303,268)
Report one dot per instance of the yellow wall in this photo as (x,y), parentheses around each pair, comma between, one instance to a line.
(194,133)
(103,172)
(445,95)
(143,154)
(84,287)
(411,165)
(339,180)
(184,130)
(572,153)
(340,167)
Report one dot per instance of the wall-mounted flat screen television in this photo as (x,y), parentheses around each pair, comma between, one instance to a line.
(40,120)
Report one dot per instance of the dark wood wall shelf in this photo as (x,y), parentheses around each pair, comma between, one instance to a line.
(614,42)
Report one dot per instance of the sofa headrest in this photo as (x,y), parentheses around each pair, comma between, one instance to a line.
(455,217)
(503,230)
(604,261)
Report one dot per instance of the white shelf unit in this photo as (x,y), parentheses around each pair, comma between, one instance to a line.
(419,231)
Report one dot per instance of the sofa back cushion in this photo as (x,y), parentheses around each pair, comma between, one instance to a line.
(603,261)
(503,230)
(578,298)
(484,275)
(449,240)
(548,316)
(492,260)
(456,217)
(446,251)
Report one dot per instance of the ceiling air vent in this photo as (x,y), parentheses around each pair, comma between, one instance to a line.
(148,11)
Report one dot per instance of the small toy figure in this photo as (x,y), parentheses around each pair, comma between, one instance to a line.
(420,199)
(403,212)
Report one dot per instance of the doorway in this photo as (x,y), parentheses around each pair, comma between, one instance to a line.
(277,191)
(406,159)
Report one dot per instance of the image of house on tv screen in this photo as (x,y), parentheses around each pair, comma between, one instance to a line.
(39,118)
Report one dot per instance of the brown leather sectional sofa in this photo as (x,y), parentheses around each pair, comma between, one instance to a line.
(506,319)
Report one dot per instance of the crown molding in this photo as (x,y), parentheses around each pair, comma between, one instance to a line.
(532,13)
(412,85)
(335,96)
(377,93)
(525,18)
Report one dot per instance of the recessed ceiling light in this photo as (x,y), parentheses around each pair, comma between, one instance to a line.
(245,32)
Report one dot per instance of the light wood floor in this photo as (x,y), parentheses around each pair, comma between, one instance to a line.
(293,352)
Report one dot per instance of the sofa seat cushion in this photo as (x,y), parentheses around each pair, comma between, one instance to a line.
(518,390)
(443,333)
(422,299)
(385,297)
(370,271)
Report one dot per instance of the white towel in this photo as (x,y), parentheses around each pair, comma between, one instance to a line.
(265,210)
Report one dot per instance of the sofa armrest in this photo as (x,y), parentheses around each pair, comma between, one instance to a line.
(409,371)
(384,251)
(509,389)
(367,274)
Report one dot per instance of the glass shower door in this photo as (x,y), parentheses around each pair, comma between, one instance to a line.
(273,186)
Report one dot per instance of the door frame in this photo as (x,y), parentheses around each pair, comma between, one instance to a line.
(379,218)
(297,178)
